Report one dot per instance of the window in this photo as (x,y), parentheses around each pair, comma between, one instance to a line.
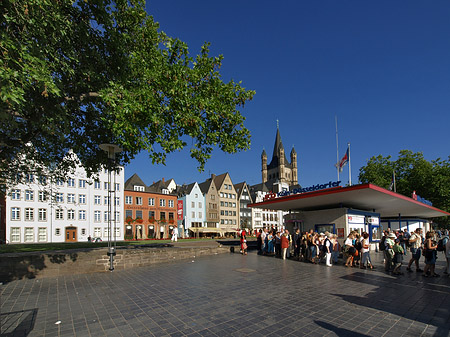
(106,232)
(199,205)
(71,182)
(15,194)
(128,213)
(162,215)
(42,214)
(151,201)
(82,183)
(59,214)
(162,202)
(70,198)
(29,195)
(29,234)
(196,195)
(97,185)
(59,182)
(138,200)
(221,195)
(82,199)
(15,234)
(170,216)
(97,232)
(151,214)
(15,213)
(97,200)
(200,215)
(29,214)
(42,196)
(106,186)
(193,204)
(117,187)
(213,197)
(57,231)
(138,214)
(83,231)
(29,178)
(97,216)
(42,180)
(59,197)
(42,234)
(139,188)
(128,200)
(70,214)
(105,216)
(193,215)
(81,214)
(117,231)
(171,203)
(106,200)
(117,218)
(117,201)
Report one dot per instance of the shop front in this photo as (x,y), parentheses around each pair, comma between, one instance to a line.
(362,208)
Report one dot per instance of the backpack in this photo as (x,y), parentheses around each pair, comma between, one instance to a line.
(441,244)
(381,245)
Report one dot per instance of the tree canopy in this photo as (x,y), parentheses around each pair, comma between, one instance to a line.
(430,180)
(75,74)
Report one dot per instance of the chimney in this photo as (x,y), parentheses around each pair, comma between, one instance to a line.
(213,176)
(163,179)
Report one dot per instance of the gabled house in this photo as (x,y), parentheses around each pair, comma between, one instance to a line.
(191,209)
(245,213)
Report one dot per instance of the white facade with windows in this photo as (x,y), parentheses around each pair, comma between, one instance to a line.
(40,210)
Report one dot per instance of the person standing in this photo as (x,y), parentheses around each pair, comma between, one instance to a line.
(415,242)
(297,243)
(430,255)
(389,252)
(174,234)
(365,252)
(243,242)
(284,239)
(327,248)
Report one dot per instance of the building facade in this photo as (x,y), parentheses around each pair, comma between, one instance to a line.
(193,215)
(245,213)
(150,211)
(229,204)
(43,209)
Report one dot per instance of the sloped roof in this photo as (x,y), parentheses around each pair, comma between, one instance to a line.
(134,180)
(185,189)
(218,180)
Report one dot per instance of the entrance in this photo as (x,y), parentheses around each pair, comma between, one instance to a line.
(71,234)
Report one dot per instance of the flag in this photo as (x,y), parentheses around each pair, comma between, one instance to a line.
(342,162)
(392,186)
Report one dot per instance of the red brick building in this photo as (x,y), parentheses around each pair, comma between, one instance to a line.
(150,211)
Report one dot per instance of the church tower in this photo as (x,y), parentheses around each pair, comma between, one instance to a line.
(280,170)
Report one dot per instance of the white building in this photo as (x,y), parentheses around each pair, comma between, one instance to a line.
(70,210)
(193,214)
(266,218)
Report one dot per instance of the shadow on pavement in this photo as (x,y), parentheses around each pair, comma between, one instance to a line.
(17,323)
(339,331)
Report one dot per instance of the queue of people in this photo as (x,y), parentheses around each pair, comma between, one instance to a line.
(313,247)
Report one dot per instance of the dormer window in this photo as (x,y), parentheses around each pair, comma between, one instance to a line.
(139,188)
(164,191)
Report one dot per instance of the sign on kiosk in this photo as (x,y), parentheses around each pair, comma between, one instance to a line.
(317,187)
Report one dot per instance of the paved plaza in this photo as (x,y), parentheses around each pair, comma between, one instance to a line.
(229,295)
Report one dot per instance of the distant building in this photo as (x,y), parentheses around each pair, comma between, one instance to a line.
(245,213)
(212,202)
(192,220)
(149,210)
(45,209)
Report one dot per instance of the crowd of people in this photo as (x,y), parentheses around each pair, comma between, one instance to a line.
(313,247)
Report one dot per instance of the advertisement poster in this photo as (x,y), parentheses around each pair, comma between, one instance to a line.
(340,232)
(180,210)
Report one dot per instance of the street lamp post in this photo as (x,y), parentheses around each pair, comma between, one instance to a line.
(111,150)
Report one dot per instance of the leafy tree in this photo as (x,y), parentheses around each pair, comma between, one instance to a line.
(430,180)
(78,73)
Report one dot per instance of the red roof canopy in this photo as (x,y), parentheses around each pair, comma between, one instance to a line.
(367,197)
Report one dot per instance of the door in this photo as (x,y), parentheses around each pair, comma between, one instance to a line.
(71,234)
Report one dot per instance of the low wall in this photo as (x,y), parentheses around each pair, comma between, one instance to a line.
(52,264)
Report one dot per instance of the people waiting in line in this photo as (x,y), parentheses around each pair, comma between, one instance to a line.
(324,248)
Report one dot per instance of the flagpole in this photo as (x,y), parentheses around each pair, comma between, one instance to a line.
(395,188)
(337,149)
(349,166)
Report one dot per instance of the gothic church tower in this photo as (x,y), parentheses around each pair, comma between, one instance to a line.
(279,170)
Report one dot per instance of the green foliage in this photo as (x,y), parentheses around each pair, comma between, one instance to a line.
(430,180)
(76,74)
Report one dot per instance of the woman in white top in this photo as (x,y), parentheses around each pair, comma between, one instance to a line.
(365,250)
(349,250)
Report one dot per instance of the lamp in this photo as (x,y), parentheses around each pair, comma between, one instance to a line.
(111,150)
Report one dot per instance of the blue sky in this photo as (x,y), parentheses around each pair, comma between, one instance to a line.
(381,67)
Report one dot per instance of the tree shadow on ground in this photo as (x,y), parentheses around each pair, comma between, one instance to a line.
(422,300)
(19,267)
(17,323)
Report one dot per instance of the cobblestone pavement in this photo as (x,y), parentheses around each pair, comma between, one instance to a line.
(229,295)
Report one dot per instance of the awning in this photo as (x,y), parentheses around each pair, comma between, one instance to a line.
(205,230)
(366,197)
